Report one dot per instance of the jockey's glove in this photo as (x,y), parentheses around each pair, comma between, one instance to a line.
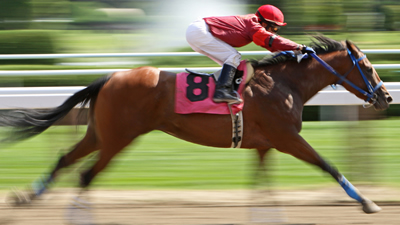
(305,49)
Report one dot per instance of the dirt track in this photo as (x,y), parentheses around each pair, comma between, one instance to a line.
(327,206)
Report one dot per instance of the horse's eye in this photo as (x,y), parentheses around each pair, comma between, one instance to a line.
(369,70)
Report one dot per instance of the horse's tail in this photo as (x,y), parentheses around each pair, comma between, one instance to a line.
(30,122)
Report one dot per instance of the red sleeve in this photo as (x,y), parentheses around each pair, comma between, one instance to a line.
(273,42)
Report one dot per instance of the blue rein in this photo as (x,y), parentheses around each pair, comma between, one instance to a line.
(342,78)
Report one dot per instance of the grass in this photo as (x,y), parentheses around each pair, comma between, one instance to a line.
(365,152)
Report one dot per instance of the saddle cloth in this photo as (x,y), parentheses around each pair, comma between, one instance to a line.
(194,93)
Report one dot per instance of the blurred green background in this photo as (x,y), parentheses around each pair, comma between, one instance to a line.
(122,26)
(365,151)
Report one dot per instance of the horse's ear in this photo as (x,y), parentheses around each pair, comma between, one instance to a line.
(353,48)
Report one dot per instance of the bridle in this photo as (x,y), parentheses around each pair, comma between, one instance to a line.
(371,95)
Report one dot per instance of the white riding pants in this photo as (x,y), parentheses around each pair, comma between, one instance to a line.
(202,41)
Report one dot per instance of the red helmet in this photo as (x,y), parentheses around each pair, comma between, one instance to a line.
(271,14)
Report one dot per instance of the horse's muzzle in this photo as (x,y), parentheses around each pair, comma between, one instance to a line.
(383,100)
(389,98)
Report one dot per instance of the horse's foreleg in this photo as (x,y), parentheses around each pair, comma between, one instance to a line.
(260,169)
(261,156)
(300,149)
(265,208)
(79,210)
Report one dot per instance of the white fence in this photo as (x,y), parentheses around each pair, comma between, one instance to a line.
(45,97)
(106,71)
(154,54)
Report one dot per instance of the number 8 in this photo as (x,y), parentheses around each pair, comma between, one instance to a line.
(193,85)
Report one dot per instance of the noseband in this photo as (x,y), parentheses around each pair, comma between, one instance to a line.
(371,95)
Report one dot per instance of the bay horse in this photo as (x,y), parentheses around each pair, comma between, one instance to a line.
(131,103)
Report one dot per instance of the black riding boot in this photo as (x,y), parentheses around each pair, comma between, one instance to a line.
(223,89)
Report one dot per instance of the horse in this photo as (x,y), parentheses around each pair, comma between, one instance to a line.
(127,104)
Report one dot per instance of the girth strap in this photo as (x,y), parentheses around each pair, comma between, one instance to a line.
(237,128)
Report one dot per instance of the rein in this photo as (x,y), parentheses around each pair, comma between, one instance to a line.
(371,95)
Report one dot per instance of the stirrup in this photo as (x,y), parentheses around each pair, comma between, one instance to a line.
(232,100)
(226,95)
(229,101)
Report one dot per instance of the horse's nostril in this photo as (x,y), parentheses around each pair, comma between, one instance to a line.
(389,99)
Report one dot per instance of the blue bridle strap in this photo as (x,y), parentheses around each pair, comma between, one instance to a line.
(342,78)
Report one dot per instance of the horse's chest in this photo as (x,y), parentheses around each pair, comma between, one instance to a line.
(286,105)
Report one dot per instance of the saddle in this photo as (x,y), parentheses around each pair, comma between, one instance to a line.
(194,92)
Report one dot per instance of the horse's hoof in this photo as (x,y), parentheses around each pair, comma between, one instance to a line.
(79,212)
(370,206)
(18,198)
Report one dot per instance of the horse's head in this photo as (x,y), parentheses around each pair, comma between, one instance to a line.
(364,80)
(345,62)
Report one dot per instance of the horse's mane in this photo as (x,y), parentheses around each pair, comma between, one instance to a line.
(320,44)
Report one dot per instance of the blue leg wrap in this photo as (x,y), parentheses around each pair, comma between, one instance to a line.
(350,189)
(40,185)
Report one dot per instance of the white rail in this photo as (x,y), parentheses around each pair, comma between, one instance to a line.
(47,97)
(154,54)
(106,71)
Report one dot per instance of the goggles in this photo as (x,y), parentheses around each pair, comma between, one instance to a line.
(275,28)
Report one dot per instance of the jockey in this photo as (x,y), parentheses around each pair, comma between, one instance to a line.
(216,38)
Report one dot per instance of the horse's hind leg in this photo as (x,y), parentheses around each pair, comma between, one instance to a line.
(295,145)
(83,148)
(108,151)
(80,207)
(86,146)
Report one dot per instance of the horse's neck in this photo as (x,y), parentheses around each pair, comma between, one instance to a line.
(318,77)
(312,80)
(306,78)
